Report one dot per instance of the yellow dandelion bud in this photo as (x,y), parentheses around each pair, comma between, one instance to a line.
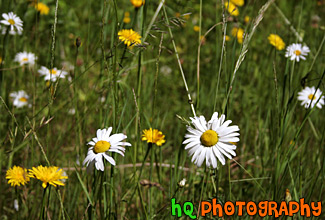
(126,20)
(247,19)
(196,28)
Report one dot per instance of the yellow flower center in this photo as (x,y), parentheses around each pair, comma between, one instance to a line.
(209,138)
(53,71)
(101,146)
(311,97)
(297,52)
(23,99)
(11,21)
(25,59)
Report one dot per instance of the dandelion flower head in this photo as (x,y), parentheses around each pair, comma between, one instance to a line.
(276,41)
(232,9)
(238,2)
(153,136)
(42,8)
(48,175)
(239,33)
(129,37)
(127,18)
(137,3)
(17,176)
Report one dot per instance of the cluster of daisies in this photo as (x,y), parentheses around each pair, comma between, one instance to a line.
(51,175)
(309,96)
(15,24)
(20,98)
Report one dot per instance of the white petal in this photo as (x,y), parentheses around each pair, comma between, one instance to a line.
(109,159)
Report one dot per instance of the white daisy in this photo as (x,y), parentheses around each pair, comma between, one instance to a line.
(211,140)
(53,74)
(13,21)
(102,145)
(25,58)
(310,95)
(297,52)
(20,98)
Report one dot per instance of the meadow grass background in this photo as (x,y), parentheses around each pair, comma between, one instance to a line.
(281,143)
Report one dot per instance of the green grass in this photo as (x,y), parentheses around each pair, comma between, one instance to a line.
(281,143)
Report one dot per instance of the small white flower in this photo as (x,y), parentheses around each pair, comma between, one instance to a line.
(182,183)
(102,145)
(13,21)
(25,58)
(52,74)
(308,95)
(102,99)
(297,52)
(16,205)
(211,140)
(78,160)
(20,98)
(71,111)
(165,70)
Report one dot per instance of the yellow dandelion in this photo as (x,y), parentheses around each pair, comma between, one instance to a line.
(153,136)
(42,8)
(239,33)
(129,37)
(137,3)
(247,19)
(238,2)
(232,9)
(48,175)
(126,18)
(227,38)
(17,175)
(196,28)
(276,41)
